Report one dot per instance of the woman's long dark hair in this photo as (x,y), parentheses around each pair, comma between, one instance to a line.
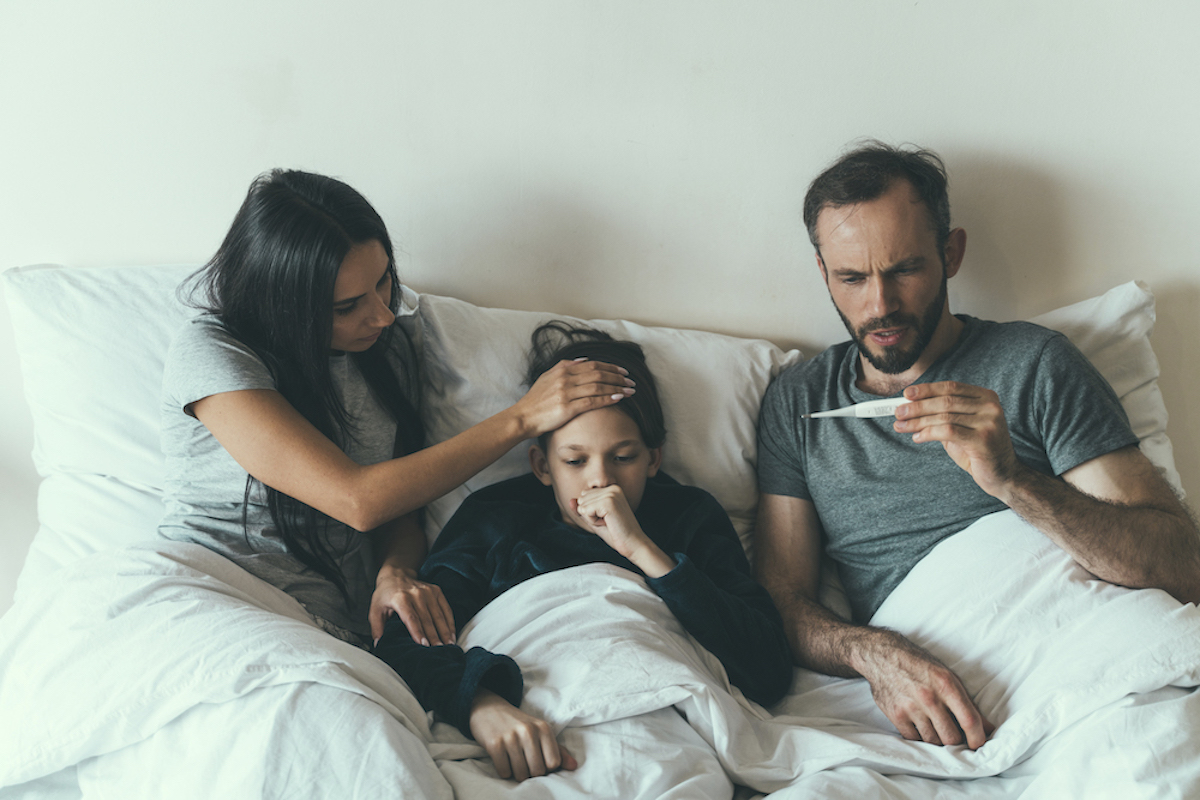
(271,284)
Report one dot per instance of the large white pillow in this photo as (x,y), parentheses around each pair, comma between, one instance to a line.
(91,344)
(1113,331)
(711,387)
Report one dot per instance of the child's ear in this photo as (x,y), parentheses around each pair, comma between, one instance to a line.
(656,456)
(541,467)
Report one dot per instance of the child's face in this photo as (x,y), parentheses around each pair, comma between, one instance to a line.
(596,449)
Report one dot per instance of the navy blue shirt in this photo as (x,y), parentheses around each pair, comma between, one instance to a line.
(512,531)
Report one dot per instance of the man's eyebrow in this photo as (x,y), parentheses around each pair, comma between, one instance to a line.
(906,263)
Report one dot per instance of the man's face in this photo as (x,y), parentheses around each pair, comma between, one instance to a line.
(886,278)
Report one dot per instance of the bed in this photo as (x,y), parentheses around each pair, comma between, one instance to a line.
(133,667)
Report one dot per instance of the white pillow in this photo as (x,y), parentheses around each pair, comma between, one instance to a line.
(1113,331)
(91,344)
(711,387)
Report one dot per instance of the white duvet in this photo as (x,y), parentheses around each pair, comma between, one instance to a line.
(166,671)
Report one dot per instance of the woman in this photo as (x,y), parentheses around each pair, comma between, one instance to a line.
(291,423)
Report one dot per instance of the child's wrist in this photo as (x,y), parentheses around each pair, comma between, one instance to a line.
(652,561)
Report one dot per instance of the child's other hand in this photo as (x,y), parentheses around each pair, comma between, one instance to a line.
(519,745)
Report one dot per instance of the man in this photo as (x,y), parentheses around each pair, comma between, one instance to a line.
(1046,437)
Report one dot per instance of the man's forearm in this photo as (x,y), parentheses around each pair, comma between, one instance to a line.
(1136,545)
(826,643)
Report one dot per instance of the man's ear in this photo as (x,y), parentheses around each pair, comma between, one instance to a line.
(656,457)
(956,248)
(540,465)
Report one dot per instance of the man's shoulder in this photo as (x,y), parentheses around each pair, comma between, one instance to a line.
(816,371)
(1009,334)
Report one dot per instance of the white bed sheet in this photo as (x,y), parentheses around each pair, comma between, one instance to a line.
(1089,683)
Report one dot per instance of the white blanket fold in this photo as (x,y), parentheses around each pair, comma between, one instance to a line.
(136,656)
(133,642)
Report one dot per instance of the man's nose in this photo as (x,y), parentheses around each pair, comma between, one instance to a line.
(881,297)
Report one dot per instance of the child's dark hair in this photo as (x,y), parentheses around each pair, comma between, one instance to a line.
(560,341)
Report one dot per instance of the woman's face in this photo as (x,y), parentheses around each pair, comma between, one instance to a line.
(362,295)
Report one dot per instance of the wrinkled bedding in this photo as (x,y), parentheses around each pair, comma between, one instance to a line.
(164,670)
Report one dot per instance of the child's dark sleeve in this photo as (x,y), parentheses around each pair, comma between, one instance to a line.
(445,679)
(714,596)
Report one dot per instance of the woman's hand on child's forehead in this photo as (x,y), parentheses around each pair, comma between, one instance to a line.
(565,391)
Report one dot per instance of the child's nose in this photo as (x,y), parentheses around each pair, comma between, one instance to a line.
(599,478)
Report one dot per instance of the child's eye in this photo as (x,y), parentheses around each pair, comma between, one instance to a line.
(574,462)
(624,459)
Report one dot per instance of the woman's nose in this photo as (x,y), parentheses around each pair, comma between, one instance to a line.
(382,315)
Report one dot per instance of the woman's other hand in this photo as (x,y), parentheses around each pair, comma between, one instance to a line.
(519,745)
(567,390)
(421,607)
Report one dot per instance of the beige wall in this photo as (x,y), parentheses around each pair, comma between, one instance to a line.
(619,158)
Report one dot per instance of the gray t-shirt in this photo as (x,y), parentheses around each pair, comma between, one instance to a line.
(883,501)
(205,488)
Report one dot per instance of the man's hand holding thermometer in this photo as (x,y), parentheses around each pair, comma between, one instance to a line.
(872,408)
(967,420)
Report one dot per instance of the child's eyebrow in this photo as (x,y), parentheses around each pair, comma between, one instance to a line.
(618,445)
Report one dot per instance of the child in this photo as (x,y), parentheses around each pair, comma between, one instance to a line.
(596,495)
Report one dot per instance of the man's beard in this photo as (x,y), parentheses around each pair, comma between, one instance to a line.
(894,360)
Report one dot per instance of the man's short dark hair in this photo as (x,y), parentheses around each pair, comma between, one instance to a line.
(867,172)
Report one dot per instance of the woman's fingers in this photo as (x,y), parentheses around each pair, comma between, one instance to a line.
(423,609)
(568,389)
(443,618)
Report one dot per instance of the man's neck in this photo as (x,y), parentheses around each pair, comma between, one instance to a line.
(884,384)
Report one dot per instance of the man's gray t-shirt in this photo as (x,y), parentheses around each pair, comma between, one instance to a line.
(205,487)
(883,501)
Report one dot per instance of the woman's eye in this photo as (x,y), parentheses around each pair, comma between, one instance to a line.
(342,311)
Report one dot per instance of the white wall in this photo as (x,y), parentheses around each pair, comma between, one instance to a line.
(618,158)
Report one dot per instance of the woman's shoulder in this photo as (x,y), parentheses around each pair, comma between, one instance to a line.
(205,356)
(200,332)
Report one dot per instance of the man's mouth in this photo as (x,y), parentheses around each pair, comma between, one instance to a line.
(888,337)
